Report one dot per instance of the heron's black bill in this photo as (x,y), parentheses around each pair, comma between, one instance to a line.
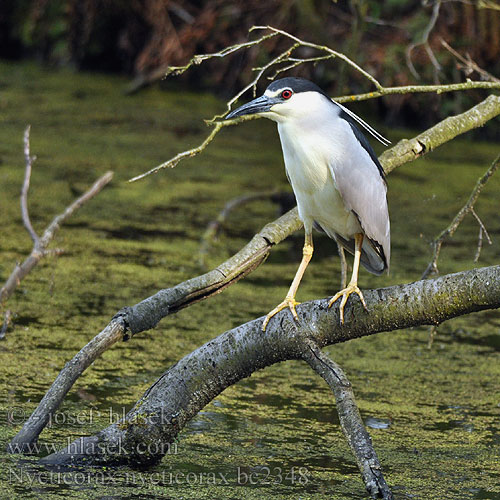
(259,105)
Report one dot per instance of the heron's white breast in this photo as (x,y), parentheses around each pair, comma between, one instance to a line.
(309,146)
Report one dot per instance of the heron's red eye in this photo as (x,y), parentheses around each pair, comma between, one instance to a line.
(286,94)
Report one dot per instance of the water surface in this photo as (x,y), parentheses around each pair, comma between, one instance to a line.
(434,415)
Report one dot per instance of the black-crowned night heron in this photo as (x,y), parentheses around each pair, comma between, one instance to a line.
(335,175)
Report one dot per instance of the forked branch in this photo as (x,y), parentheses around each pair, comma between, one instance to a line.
(149,312)
(466,209)
(40,244)
(285,61)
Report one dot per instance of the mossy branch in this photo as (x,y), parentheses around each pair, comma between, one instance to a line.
(286,57)
(191,383)
(408,150)
(149,312)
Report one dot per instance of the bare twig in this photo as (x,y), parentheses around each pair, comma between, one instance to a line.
(40,244)
(467,208)
(424,41)
(297,62)
(350,419)
(417,89)
(469,66)
(7,317)
(214,226)
(482,230)
(286,57)
(26,185)
(323,48)
(185,154)
(198,59)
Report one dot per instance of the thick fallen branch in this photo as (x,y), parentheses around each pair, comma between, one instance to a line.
(150,311)
(40,244)
(143,436)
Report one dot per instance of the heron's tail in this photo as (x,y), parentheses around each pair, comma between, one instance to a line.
(372,254)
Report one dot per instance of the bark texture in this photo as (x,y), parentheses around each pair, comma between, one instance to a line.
(143,436)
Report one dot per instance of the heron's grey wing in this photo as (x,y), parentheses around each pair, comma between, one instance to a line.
(364,191)
(363,141)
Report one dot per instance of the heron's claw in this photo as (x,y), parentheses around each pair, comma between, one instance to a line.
(289,302)
(351,288)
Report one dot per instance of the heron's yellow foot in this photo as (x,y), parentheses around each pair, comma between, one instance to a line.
(289,302)
(351,288)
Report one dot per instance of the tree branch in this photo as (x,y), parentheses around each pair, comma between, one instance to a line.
(323,48)
(284,58)
(198,59)
(40,244)
(213,227)
(144,434)
(350,419)
(472,118)
(469,66)
(149,312)
(467,208)
(482,229)
(419,89)
(425,42)
(408,150)
(26,185)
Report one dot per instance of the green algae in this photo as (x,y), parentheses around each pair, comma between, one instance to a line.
(276,434)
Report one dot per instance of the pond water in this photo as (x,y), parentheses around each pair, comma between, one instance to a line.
(433,414)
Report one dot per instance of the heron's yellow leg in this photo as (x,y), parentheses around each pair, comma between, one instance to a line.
(352,287)
(290,301)
(343,265)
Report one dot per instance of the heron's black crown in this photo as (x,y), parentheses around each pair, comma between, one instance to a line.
(296,84)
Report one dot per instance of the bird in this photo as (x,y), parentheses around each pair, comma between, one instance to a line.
(337,179)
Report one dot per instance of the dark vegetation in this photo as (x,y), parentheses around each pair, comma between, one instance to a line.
(400,42)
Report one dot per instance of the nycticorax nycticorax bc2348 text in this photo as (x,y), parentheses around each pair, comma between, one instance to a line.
(336,176)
